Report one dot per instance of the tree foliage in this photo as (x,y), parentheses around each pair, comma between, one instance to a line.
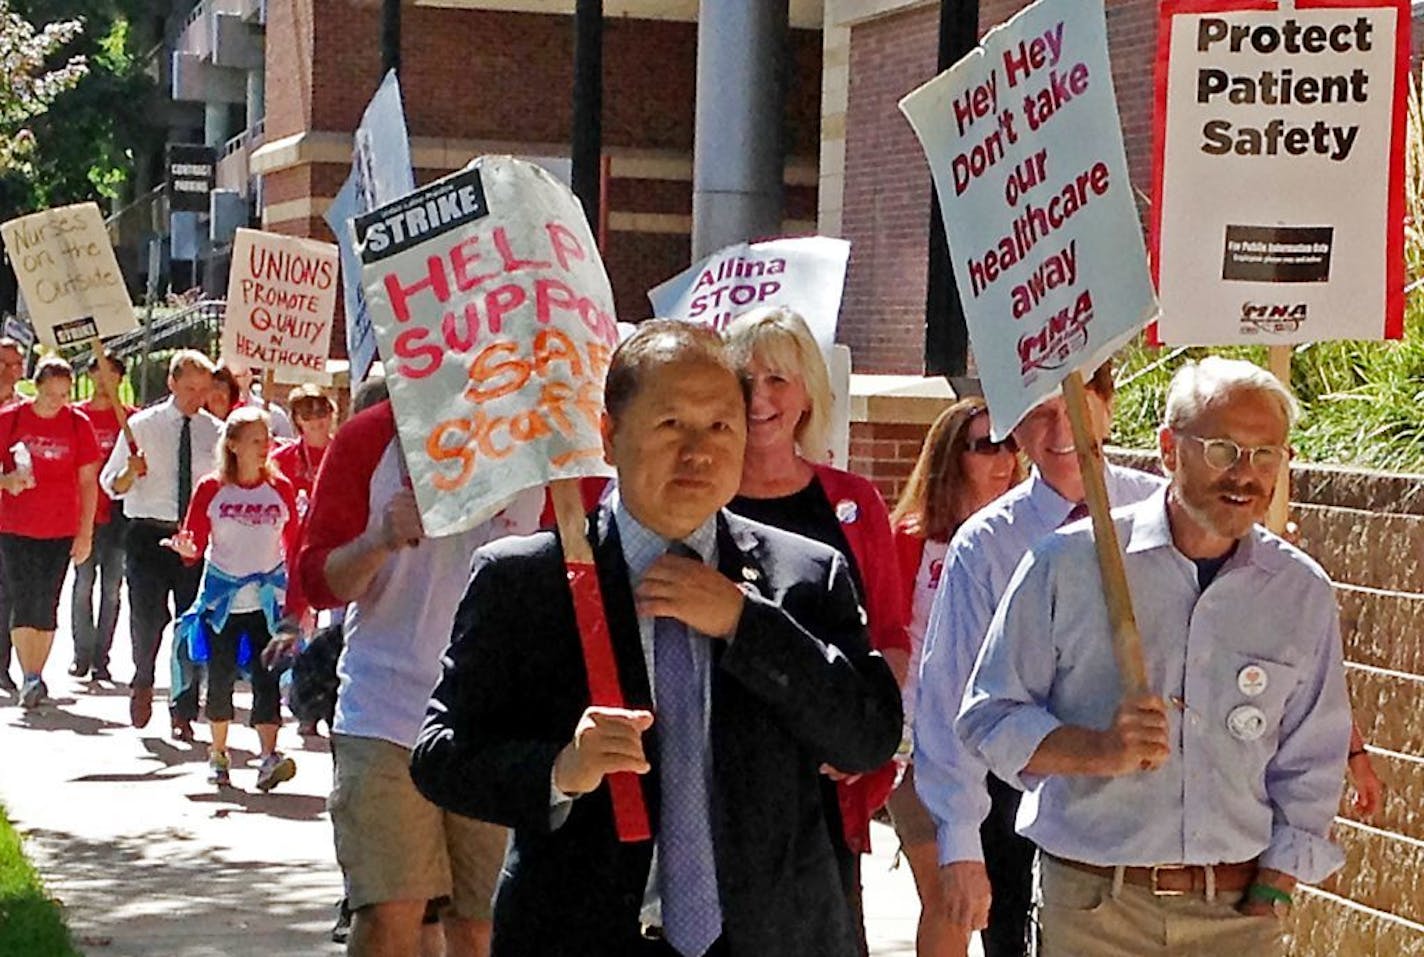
(86,144)
(30,81)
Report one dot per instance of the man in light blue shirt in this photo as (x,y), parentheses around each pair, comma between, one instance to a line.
(1168,821)
(973,811)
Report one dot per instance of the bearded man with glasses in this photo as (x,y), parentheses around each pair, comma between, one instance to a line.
(1177,821)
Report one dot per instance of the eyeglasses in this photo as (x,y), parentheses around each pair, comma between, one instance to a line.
(987,446)
(1223,454)
(313,412)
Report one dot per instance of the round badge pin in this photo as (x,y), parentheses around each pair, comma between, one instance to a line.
(1246,722)
(847,511)
(1252,680)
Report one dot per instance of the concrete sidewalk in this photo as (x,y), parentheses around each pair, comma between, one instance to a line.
(148,859)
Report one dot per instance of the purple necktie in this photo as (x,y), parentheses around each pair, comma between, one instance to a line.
(687,868)
(1079,511)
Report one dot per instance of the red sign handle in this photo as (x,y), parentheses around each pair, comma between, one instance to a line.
(630,813)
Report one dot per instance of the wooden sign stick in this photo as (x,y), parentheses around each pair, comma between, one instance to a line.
(111,389)
(269,386)
(1279,362)
(1127,640)
(630,813)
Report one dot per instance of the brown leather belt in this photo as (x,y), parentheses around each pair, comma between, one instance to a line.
(1175,880)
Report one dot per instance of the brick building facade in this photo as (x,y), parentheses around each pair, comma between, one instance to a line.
(486,80)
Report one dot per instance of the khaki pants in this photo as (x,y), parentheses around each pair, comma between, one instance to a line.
(1076,914)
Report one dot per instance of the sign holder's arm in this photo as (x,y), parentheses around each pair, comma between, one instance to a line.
(1279,362)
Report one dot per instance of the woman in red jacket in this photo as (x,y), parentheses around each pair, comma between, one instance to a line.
(959,471)
(786,484)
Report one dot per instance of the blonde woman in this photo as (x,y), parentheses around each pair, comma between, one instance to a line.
(786,483)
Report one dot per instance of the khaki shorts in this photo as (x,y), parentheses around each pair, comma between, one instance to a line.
(912,822)
(394,845)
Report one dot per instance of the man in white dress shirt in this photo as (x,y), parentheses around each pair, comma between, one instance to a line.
(176,439)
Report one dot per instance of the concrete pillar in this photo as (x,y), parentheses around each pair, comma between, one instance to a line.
(256,96)
(738,148)
(216,124)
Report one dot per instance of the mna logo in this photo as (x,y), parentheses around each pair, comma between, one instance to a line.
(1259,317)
(1065,333)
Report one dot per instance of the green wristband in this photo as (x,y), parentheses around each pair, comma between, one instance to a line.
(1268,894)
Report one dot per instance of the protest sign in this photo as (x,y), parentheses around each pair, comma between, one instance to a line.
(1022,137)
(495,320)
(281,295)
(69,275)
(16,327)
(806,274)
(380,172)
(1278,206)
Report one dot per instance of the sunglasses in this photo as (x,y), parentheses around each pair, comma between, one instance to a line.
(987,446)
(1223,454)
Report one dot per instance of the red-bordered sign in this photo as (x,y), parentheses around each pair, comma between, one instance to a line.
(1278,175)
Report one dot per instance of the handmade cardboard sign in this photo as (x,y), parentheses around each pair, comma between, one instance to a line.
(1278,208)
(495,319)
(281,296)
(1023,139)
(69,275)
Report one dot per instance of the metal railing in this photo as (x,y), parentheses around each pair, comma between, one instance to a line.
(198,326)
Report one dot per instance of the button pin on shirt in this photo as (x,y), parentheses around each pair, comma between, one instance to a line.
(1246,722)
(1252,680)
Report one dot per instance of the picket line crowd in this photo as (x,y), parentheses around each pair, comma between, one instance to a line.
(794,656)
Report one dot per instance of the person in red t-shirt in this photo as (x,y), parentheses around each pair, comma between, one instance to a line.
(313,412)
(243,519)
(51,461)
(94,637)
(12,370)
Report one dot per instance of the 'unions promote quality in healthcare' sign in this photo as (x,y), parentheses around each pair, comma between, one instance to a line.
(1023,140)
(1278,214)
(281,295)
(495,317)
(69,275)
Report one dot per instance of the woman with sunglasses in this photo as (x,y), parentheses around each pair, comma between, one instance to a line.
(314,414)
(786,484)
(959,471)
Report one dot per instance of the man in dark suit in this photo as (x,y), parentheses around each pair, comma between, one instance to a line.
(747,643)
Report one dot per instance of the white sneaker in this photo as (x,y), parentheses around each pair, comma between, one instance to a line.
(33,692)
